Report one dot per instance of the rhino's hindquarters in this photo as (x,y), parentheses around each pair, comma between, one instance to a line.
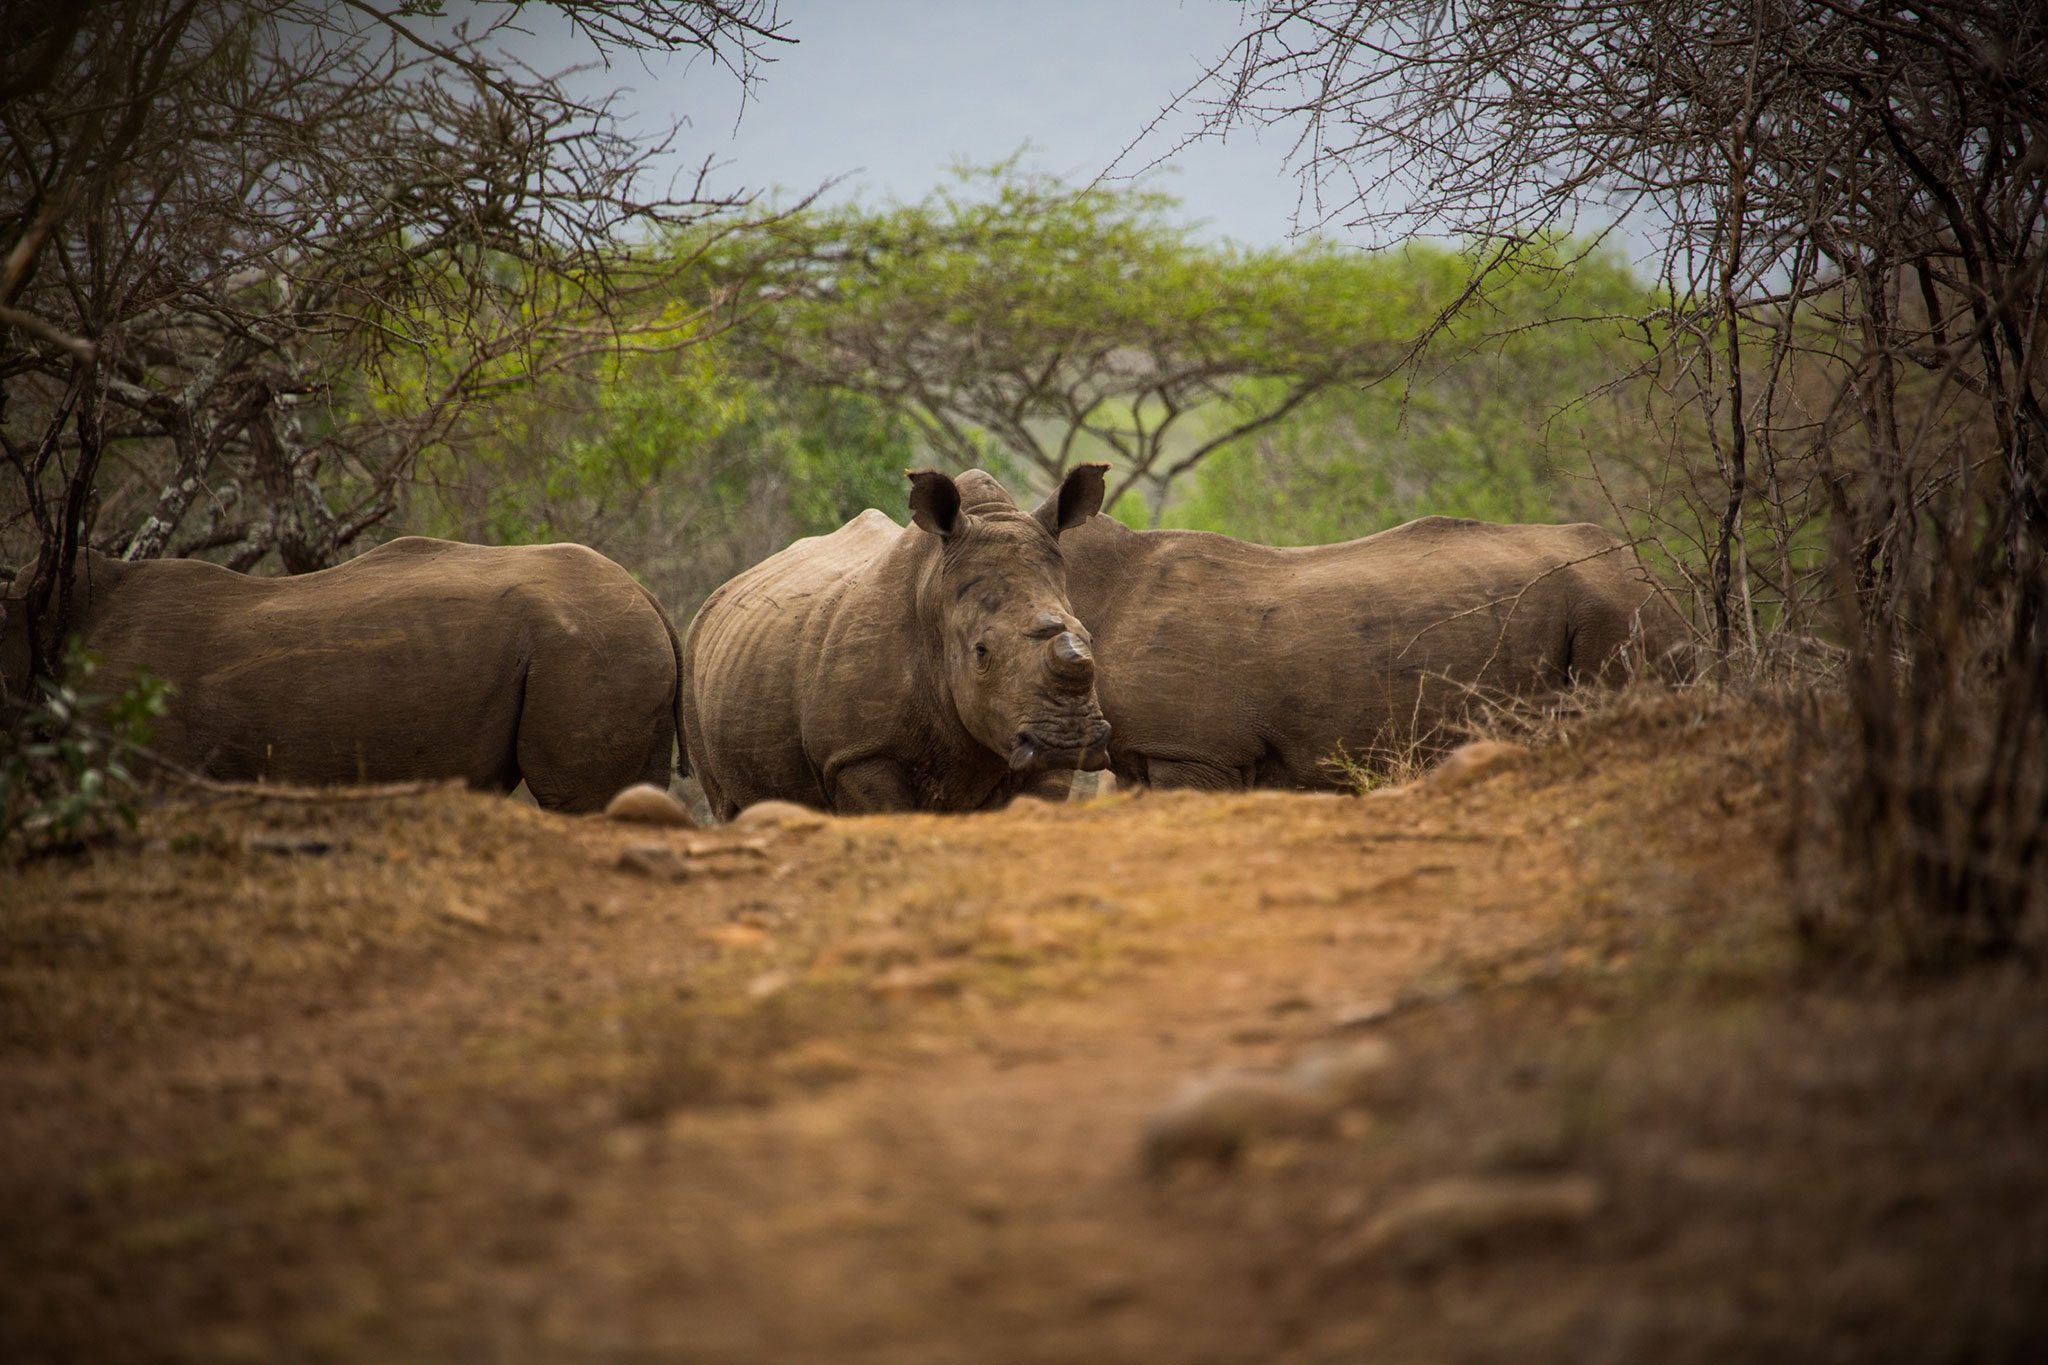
(598,715)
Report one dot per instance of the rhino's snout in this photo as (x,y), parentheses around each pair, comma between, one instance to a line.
(1034,753)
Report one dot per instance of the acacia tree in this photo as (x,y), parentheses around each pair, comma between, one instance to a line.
(260,255)
(1855,201)
(1021,318)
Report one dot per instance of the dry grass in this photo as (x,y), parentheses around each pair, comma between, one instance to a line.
(1376,769)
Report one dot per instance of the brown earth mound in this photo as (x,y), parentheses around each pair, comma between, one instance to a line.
(1524,1069)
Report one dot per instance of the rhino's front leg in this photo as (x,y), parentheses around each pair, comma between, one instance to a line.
(873,786)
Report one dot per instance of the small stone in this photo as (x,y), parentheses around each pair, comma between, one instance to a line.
(736,936)
(769,984)
(464,913)
(1468,763)
(931,978)
(1464,1215)
(778,815)
(1213,1118)
(653,860)
(1363,1014)
(646,804)
(1360,1072)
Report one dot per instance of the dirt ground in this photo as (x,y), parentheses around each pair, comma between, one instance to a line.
(1530,1070)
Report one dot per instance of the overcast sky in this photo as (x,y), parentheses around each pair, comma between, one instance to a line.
(886,95)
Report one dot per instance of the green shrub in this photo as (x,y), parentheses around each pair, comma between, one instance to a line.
(64,776)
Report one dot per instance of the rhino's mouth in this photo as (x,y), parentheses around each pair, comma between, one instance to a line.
(1035,753)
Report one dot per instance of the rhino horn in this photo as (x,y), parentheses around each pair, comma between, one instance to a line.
(1071,658)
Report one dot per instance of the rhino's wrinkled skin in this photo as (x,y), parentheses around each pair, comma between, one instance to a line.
(420,659)
(937,666)
(1223,664)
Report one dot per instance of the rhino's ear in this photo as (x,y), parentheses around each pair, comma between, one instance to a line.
(1078,498)
(934,501)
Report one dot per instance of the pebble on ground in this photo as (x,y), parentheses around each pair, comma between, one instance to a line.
(778,815)
(1443,1220)
(643,803)
(1468,763)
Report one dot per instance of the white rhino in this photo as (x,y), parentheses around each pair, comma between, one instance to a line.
(1224,664)
(937,666)
(420,659)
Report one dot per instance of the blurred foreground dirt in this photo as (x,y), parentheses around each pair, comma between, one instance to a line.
(443,1077)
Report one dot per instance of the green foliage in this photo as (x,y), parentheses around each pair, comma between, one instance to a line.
(570,455)
(64,779)
(836,454)
(1504,420)
(676,465)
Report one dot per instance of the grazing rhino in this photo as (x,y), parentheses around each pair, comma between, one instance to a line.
(884,668)
(1224,664)
(419,659)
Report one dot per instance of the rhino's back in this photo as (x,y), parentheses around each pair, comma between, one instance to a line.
(1575,587)
(751,662)
(414,659)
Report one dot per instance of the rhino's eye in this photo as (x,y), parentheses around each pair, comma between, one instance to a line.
(980,652)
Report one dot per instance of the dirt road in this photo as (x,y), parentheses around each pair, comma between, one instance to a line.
(1527,1070)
